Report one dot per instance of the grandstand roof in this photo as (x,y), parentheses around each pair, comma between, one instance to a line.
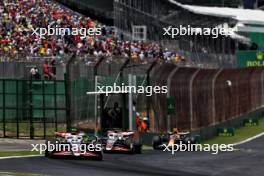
(246,16)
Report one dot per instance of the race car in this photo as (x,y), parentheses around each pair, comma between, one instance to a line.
(121,141)
(74,144)
(174,137)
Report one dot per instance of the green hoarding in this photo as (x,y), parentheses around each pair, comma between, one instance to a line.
(170,106)
(226,132)
(251,122)
(250,59)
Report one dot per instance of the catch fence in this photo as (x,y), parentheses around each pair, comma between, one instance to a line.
(206,97)
(30,108)
(203,97)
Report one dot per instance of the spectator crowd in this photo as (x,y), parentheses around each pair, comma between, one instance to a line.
(18,19)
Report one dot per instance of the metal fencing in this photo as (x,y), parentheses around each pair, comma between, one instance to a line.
(31,108)
(206,97)
(21,70)
(87,110)
(203,97)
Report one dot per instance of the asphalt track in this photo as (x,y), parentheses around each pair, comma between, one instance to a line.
(247,161)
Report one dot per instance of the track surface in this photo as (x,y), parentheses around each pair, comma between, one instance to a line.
(247,161)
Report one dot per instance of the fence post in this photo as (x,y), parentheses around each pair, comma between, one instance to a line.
(262,88)
(17,114)
(96,115)
(130,104)
(31,110)
(44,108)
(168,95)
(213,96)
(191,98)
(55,105)
(148,84)
(68,93)
(4,108)
(123,95)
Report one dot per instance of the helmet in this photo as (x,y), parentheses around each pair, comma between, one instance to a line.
(175,130)
(145,118)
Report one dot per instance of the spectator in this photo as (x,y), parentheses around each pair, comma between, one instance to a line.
(46,71)
(34,74)
(144,125)
(53,66)
(17,21)
(138,121)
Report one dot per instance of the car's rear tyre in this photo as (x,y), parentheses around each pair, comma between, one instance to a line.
(138,149)
(134,145)
(156,142)
(48,153)
(99,157)
(138,146)
(165,138)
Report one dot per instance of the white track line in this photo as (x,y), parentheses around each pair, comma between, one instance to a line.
(249,139)
(25,156)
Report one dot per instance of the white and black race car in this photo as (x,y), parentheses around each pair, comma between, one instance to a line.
(121,141)
(74,144)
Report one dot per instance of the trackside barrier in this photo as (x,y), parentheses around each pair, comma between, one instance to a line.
(31,108)
(206,97)
(226,131)
(211,131)
(251,122)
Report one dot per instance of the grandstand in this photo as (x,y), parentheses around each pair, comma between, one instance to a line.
(155,15)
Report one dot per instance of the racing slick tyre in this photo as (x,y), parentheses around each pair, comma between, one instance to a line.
(192,140)
(138,146)
(189,140)
(186,140)
(134,145)
(129,143)
(47,152)
(99,157)
(156,142)
(165,138)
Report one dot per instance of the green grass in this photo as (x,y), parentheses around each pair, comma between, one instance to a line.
(240,134)
(17,153)
(24,129)
(18,174)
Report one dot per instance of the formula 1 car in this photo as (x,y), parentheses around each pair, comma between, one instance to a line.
(74,144)
(160,141)
(120,141)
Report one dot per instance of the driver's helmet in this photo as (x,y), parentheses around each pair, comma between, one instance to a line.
(73,131)
(175,131)
(74,139)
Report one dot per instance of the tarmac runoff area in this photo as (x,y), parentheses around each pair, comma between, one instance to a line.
(246,161)
(18,144)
